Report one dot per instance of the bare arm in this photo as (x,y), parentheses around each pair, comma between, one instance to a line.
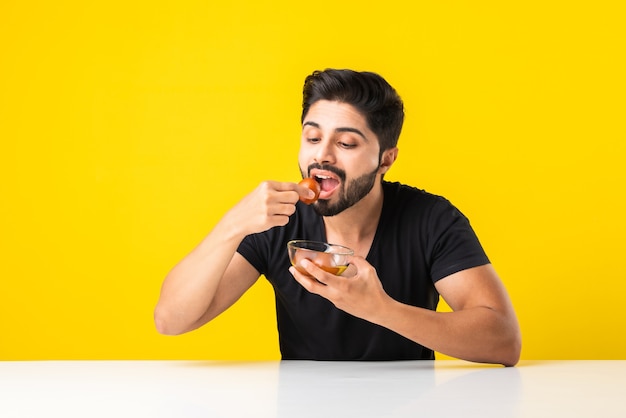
(213,276)
(205,283)
(482,327)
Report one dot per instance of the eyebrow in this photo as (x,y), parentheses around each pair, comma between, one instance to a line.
(342,129)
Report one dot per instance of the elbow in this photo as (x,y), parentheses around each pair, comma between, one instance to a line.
(504,348)
(173,322)
(511,359)
(512,350)
(504,353)
(164,323)
(510,343)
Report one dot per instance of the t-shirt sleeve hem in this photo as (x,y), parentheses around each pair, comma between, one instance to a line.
(455,268)
(246,250)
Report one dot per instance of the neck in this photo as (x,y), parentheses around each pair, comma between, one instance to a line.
(356,226)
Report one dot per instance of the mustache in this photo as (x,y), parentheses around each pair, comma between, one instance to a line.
(339,172)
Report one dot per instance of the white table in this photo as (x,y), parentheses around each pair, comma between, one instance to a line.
(294,389)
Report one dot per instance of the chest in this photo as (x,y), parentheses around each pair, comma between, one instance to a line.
(361,247)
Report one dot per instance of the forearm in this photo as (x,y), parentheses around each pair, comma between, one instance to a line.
(479,334)
(193,292)
(189,288)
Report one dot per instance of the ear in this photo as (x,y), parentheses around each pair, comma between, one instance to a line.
(388,158)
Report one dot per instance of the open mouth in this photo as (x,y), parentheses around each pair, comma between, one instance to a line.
(328,183)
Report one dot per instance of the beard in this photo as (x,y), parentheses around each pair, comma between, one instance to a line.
(349,194)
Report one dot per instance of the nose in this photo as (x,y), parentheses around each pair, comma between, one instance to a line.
(325,152)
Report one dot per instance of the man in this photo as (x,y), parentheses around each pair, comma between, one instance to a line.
(410,247)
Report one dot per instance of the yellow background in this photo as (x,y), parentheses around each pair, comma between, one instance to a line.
(128,128)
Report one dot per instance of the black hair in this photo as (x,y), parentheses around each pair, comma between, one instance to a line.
(368,92)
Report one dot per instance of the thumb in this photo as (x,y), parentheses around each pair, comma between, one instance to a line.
(355,264)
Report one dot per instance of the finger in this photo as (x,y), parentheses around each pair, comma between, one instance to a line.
(287,196)
(358,261)
(284,209)
(356,265)
(302,191)
(278,220)
(320,275)
(284,186)
(311,284)
(305,192)
(279,192)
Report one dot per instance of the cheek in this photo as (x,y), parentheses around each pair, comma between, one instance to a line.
(302,161)
(306,154)
(366,164)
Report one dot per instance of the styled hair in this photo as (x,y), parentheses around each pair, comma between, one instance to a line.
(368,92)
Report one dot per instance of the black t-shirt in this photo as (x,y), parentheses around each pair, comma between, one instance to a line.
(420,239)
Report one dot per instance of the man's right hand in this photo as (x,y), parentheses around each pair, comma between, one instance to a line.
(212,277)
(270,204)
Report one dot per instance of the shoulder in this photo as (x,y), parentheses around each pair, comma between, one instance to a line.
(413,210)
(401,197)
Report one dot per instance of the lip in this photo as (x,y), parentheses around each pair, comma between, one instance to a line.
(320,176)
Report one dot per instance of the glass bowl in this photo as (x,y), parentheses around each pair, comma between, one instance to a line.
(329,257)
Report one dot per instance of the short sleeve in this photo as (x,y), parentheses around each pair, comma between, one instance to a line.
(454,245)
(250,249)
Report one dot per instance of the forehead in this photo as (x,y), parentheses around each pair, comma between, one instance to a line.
(330,114)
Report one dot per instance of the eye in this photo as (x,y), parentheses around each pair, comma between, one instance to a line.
(346,145)
(313,140)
